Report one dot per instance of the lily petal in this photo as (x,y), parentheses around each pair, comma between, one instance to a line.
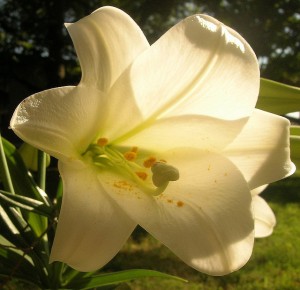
(258,190)
(92,228)
(195,131)
(265,220)
(200,66)
(61,121)
(205,217)
(106,42)
(262,155)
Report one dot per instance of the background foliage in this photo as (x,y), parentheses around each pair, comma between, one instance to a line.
(36,53)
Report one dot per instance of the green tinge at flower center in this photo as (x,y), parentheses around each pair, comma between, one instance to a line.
(141,167)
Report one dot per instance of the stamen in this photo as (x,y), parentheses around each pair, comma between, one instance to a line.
(149,162)
(130,156)
(102,142)
(128,165)
(142,175)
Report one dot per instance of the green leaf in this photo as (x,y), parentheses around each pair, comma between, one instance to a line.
(24,186)
(14,264)
(25,203)
(4,170)
(22,181)
(31,227)
(278,98)
(29,155)
(20,236)
(295,148)
(115,278)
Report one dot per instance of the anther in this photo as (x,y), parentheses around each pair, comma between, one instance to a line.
(149,162)
(130,156)
(134,149)
(102,142)
(142,175)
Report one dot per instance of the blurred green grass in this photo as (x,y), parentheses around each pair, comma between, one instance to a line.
(274,265)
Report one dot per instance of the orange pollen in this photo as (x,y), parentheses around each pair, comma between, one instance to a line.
(149,162)
(142,175)
(180,203)
(102,142)
(130,156)
(122,184)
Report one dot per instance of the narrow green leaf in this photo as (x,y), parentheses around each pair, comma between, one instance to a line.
(42,164)
(295,148)
(32,227)
(22,238)
(4,170)
(59,194)
(25,186)
(295,131)
(16,230)
(115,278)
(21,179)
(29,155)
(278,98)
(25,203)
(14,264)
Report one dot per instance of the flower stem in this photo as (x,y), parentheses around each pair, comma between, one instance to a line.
(42,169)
(4,167)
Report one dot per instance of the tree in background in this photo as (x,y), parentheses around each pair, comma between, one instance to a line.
(36,53)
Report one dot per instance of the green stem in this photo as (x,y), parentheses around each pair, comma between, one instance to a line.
(56,274)
(6,178)
(42,169)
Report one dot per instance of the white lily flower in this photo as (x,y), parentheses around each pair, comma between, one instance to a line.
(165,136)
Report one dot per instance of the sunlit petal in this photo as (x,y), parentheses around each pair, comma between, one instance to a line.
(106,42)
(61,121)
(258,190)
(205,217)
(261,151)
(195,131)
(92,228)
(265,220)
(199,66)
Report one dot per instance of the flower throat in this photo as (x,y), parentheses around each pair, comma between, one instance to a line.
(145,170)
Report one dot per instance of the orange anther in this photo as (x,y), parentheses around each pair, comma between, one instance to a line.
(134,149)
(149,162)
(130,155)
(102,142)
(142,175)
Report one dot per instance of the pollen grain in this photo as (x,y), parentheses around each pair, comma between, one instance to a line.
(122,184)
